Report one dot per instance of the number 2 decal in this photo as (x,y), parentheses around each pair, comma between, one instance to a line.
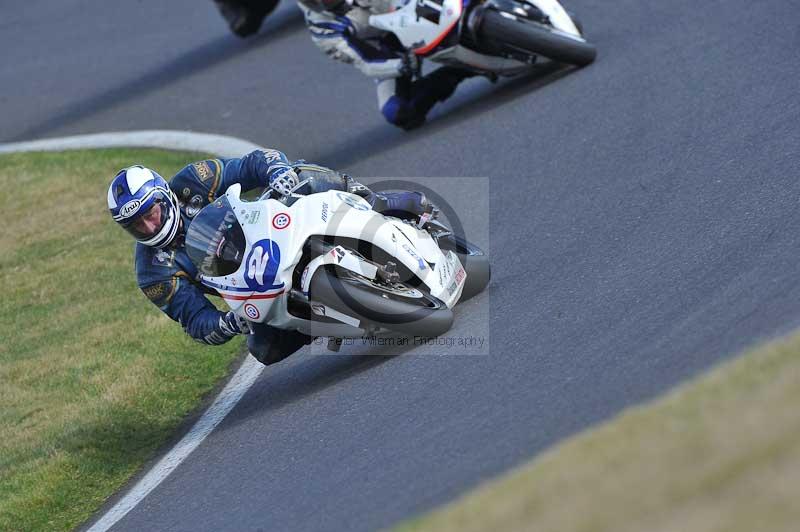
(262,266)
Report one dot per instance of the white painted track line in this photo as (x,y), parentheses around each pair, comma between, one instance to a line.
(235,389)
(222,146)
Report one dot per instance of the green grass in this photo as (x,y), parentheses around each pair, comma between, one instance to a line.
(720,453)
(93,377)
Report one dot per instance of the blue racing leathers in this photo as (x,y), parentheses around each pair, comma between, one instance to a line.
(170,280)
(167,276)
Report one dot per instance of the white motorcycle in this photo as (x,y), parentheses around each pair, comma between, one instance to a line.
(496,37)
(326,264)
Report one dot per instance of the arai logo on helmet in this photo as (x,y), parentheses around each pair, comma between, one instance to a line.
(130,208)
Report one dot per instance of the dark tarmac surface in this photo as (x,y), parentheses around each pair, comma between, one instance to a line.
(642,217)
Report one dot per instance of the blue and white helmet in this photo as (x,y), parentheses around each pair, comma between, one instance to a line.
(137,193)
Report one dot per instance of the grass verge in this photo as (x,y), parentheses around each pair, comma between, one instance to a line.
(93,378)
(719,453)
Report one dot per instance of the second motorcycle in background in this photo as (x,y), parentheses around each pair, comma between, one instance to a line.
(502,37)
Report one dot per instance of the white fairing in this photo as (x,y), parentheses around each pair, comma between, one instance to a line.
(460,56)
(423,33)
(275,236)
(418,32)
(559,17)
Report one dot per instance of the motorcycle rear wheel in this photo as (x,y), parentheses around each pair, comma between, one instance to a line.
(535,38)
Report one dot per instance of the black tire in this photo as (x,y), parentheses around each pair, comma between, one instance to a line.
(420,315)
(535,38)
(475,262)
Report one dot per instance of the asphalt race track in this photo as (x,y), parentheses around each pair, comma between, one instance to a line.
(643,218)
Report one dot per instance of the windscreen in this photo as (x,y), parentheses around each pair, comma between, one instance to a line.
(215,241)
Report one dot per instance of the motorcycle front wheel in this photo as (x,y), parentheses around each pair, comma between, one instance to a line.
(393,306)
(534,37)
(475,263)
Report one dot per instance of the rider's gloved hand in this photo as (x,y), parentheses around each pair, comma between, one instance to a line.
(411,65)
(232,324)
(284,182)
(354,187)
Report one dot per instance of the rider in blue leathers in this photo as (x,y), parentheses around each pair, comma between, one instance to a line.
(158,213)
(340,28)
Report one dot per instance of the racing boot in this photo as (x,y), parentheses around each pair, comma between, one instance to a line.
(405,204)
(269,345)
(401,204)
(425,92)
(244,17)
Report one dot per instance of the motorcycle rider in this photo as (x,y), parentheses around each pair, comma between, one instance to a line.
(340,28)
(157,214)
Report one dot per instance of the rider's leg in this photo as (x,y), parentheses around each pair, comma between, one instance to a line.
(400,204)
(406,103)
(269,345)
(394,103)
(319,178)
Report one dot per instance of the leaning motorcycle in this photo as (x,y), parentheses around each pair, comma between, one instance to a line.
(495,37)
(326,264)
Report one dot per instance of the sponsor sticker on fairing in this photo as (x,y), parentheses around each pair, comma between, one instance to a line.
(251,311)
(351,201)
(449,268)
(452,288)
(281,220)
(410,251)
(460,274)
(337,254)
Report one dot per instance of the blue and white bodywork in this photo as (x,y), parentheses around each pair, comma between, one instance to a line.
(275,239)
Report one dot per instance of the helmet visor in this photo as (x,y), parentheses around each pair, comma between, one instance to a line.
(152,220)
(215,241)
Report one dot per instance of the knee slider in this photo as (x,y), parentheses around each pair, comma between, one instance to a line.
(400,113)
(264,351)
